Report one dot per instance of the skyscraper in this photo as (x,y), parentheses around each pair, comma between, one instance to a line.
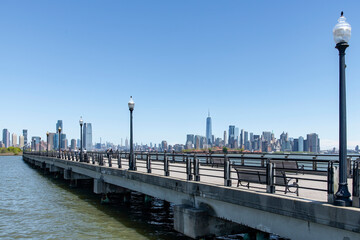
(21,141)
(59,124)
(73,144)
(208,130)
(164,145)
(197,141)
(56,140)
(190,141)
(267,136)
(225,138)
(14,140)
(242,137)
(232,136)
(246,140)
(301,144)
(313,142)
(51,141)
(126,143)
(63,141)
(6,137)
(25,134)
(87,136)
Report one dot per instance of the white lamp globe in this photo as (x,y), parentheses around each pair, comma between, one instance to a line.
(131,104)
(342,30)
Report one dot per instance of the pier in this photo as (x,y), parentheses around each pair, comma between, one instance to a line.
(289,195)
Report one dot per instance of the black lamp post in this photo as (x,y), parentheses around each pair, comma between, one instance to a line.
(81,138)
(131,105)
(59,131)
(47,143)
(342,34)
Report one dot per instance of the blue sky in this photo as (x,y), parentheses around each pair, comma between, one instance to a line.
(259,65)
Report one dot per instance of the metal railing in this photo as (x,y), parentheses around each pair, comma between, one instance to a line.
(272,173)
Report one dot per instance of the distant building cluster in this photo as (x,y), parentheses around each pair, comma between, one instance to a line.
(235,138)
(54,139)
(14,141)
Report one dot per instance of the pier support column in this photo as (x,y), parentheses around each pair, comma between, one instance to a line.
(101,187)
(196,223)
(52,168)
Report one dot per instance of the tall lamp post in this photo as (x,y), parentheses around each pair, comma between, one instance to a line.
(47,143)
(81,138)
(59,131)
(342,34)
(131,105)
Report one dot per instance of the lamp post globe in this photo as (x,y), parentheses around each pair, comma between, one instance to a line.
(59,131)
(342,30)
(81,138)
(131,104)
(132,163)
(342,34)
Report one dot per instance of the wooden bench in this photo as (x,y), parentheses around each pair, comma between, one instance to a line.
(250,175)
(217,162)
(258,175)
(281,179)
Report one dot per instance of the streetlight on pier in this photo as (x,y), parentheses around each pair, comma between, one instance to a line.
(131,105)
(59,131)
(342,34)
(81,138)
(47,143)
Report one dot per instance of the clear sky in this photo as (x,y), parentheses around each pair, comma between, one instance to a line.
(259,65)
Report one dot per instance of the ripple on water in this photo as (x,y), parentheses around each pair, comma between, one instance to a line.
(38,207)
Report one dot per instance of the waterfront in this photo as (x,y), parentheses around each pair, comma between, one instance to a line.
(39,207)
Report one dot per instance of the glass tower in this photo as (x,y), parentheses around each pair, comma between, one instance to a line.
(208,130)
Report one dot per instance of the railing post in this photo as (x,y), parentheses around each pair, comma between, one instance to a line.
(262,161)
(314,164)
(119,160)
(166,165)
(349,167)
(100,159)
(188,168)
(356,184)
(148,163)
(227,173)
(242,160)
(332,181)
(270,187)
(196,169)
(109,158)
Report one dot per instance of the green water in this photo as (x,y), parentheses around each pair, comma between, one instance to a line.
(37,206)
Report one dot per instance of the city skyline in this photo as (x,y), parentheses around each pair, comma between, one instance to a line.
(266,142)
(285,79)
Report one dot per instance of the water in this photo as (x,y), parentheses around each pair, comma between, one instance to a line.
(36,206)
